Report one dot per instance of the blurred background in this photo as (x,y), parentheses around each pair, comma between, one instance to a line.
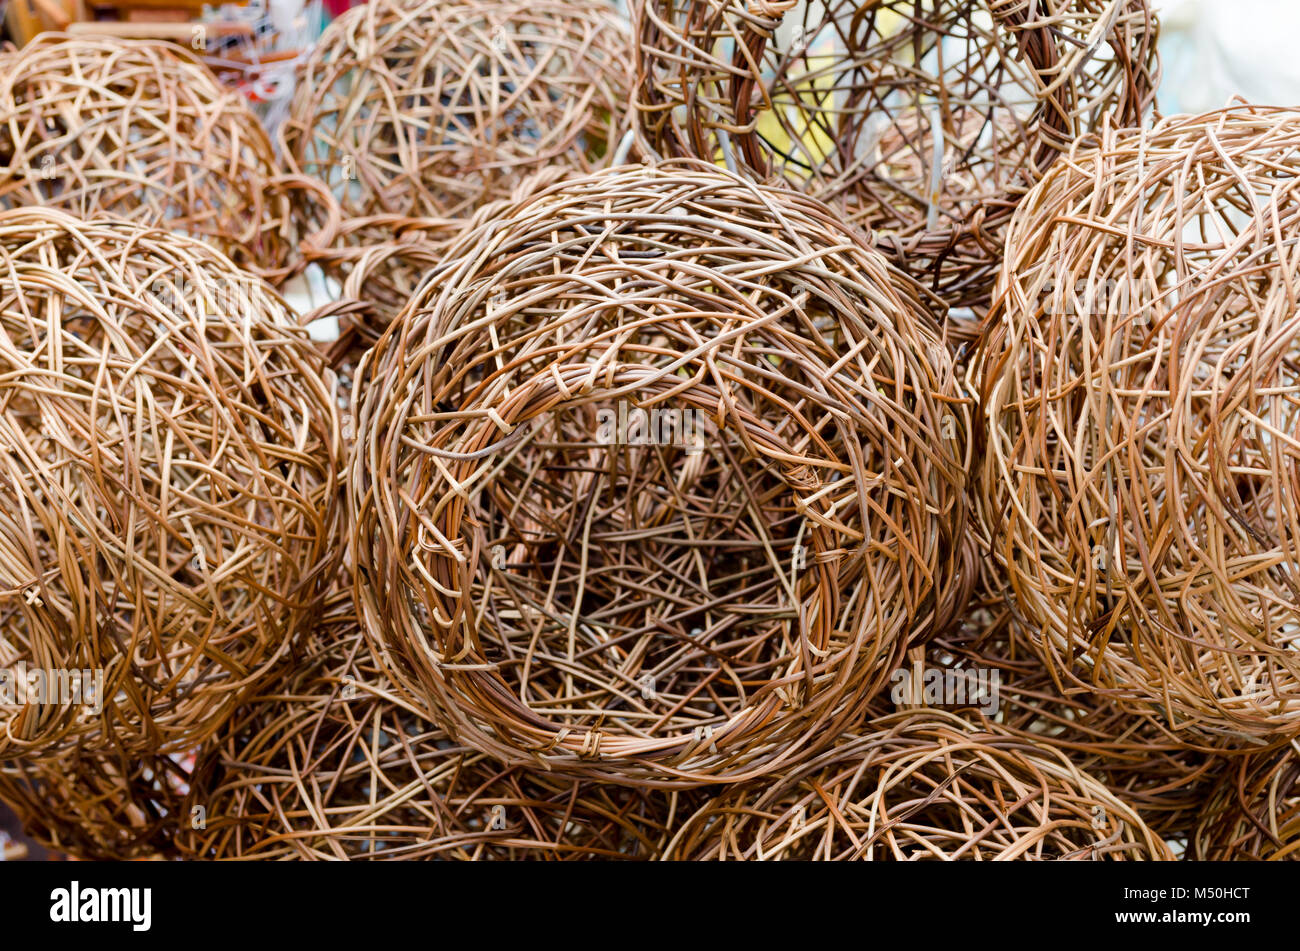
(1213,50)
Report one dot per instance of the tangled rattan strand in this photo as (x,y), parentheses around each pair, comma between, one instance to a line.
(429,109)
(329,764)
(379,279)
(1254,814)
(848,98)
(924,785)
(1139,387)
(104,807)
(1150,770)
(697,604)
(168,454)
(142,130)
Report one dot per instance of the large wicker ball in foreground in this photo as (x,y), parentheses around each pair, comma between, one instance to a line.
(659,478)
(926,121)
(1254,814)
(141,130)
(1140,391)
(428,109)
(167,484)
(105,807)
(328,764)
(926,785)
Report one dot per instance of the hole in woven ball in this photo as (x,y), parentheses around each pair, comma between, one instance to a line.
(640,569)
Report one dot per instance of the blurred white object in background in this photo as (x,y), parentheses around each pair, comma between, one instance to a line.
(262,66)
(1213,50)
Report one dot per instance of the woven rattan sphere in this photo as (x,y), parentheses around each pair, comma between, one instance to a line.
(141,130)
(926,785)
(924,120)
(328,764)
(101,808)
(1254,814)
(1139,389)
(167,483)
(657,479)
(429,109)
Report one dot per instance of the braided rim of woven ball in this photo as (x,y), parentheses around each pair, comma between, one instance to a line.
(1254,813)
(142,130)
(425,110)
(832,96)
(822,390)
(328,763)
(923,785)
(168,484)
(1135,384)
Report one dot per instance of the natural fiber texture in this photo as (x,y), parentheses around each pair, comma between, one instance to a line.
(379,278)
(926,785)
(926,122)
(1146,767)
(329,764)
(429,109)
(1254,814)
(658,479)
(168,482)
(142,130)
(101,808)
(1139,389)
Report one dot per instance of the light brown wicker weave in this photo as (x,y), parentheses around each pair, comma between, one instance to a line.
(924,785)
(142,130)
(429,109)
(108,807)
(167,481)
(328,763)
(1139,389)
(697,593)
(924,120)
(1254,813)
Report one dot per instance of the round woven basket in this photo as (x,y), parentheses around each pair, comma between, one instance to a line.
(142,130)
(925,785)
(1254,814)
(421,111)
(99,808)
(167,489)
(327,763)
(660,486)
(1138,388)
(926,122)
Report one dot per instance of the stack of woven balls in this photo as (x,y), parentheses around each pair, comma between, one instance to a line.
(711,393)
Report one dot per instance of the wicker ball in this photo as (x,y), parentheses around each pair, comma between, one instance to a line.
(1139,391)
(167,497)
(1254,814)
(925,785)
(328,763)
(847,98)
(658,479)
(142,130)
(428,109)
(107,807)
